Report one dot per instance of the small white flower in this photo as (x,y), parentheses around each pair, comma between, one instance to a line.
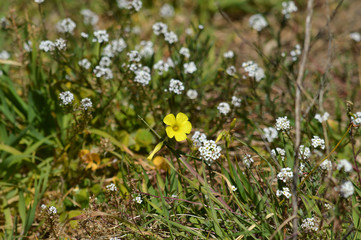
(103,72)
(28,46)
(355,36)
(134,56)
(66,26)
(259,74)
(229,54)
(322,118)
(47,46)
(105,62)
(161,66)
(326,165)
(89,17)
(356,119)
(170,37)
(233,188)
(200,27)
(224,108)
(231,70)
(114,47)
(189,67)
(282,123)
(236,101)
(112,188)
(84,35)
(285,191)
(84,63)
(174,196)
(288,8)
(52,210)
(160,28)
(39,1)
(285,175)
(86,103)
(192,94)
(43,206)
(210,151)
(100,36)
(138,199)
(310,224)
(270,133)
(347,189)
(346,165)
(66,98)
(257,22)
(176,86)
(248,160)
(278,151)
(304,152)
(142,76)
(145,48)
(198,138)
(318,142)
(60,44)
(185,52)
(166,11)
(295,53)
(4,55)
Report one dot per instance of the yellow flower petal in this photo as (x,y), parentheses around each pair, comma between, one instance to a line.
(186,127)
(169,119)
(181,118)
(180,136)
(170,131)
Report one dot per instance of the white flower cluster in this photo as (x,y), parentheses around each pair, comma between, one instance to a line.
(135,5)
(318,142)
(47,46)
(101,36)
(231,70)
(270,133)
(229,54)
(66,98)
(134,56)
(357,119)
(66,26)
(145,48)
(39,1)
(326,165)
(52,210)
(114,47)
(282,123)
(304,152)
(310,224)
(210,151)
(296,52)
(288,8)
(105,61)
(86,103)
(253,70)
(111,187)
(355,36)
(285,174)
(161,66)
(185,52)
(285,191)
(176,86)
(60,44)
(143,76)
(4,55)
(322,118)
(138,199)
(84,63)
(166,11)
(248,160)
(160,28)
(190,67)
(236,101)
(224,108)
(199,138)
(89,17)
(347,189)
(278,151)
(301,168)
(170,37)
(345,165)
(192,94)
(105,72)
(257,22)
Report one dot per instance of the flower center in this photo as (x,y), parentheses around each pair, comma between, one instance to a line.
(175,128)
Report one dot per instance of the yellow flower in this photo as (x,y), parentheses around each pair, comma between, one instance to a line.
(178,126)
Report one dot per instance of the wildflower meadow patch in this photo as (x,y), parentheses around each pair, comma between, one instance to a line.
(139,119)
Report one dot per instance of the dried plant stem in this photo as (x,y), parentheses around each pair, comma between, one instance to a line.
(298,115)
